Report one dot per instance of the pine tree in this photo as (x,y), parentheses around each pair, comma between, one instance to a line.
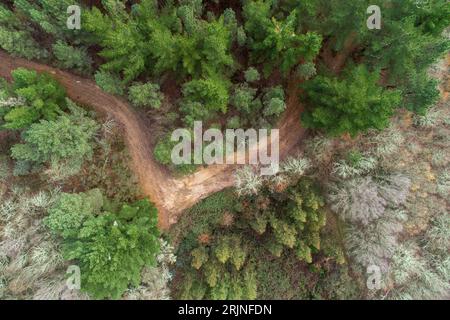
(43,98)
(276,43)
(351,105)
(112,248)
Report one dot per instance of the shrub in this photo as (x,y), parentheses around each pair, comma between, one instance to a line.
(356,164)
(394,188)
(414,278)
(70,211)
(112,249)
(443,184)
(376,243)
(295,166)
(357,200)
(438,235)
(273,101)
(154,283)
(68,138)
(251,75)
(109,82)
(243,99)
(247,181)
(306,71)
(43,97)
(146,95)
(70,57)
(351,105)
(202,99)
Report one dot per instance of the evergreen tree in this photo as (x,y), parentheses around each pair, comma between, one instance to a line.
(276,43)
(43,98)
(66,140)
(112,248)
(350,105)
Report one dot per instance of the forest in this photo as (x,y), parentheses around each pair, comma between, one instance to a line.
(92,205)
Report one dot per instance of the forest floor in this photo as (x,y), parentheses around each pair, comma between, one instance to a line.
(170,194)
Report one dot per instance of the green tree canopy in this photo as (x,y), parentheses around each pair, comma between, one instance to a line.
(352,104)
(111,247)
(43,97)
(68,139)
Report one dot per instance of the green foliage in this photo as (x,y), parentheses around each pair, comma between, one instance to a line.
(291,220)
(243,99)
(68,139)
(163,150)
(410,39)
(251,75)
(146,95)
(51,18)
(422,92)
(150,39)
(204,216)
(110,248)
(306,70)
(43,98)
(16,38)
(225,271)
(234,123)
(273,101)
(276,43)
(204,98)
(109,82)
(70,211)
(226,263)
(70,57)
(110,168)
(241,36)
(163,154)
(351,105)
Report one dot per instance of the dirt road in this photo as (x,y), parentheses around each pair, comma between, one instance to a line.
(171,195)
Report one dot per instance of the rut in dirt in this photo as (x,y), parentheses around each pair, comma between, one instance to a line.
(170,195)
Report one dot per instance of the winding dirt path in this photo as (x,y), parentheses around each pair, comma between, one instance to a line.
(171,195)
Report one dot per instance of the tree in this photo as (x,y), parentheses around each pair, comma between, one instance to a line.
(273,101)
(409,41)
(51,18)
(16,38)
(421,93)
(145,95)
(70,57)
(243,99)
(276,43)
(109,82)
(43,98)
(151,39)
(351,105)
(306,70)
(204,98)
(293,220)
(225,271)
(67,139)
(364,199)
(251,75)
(112,248)
(70,211)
